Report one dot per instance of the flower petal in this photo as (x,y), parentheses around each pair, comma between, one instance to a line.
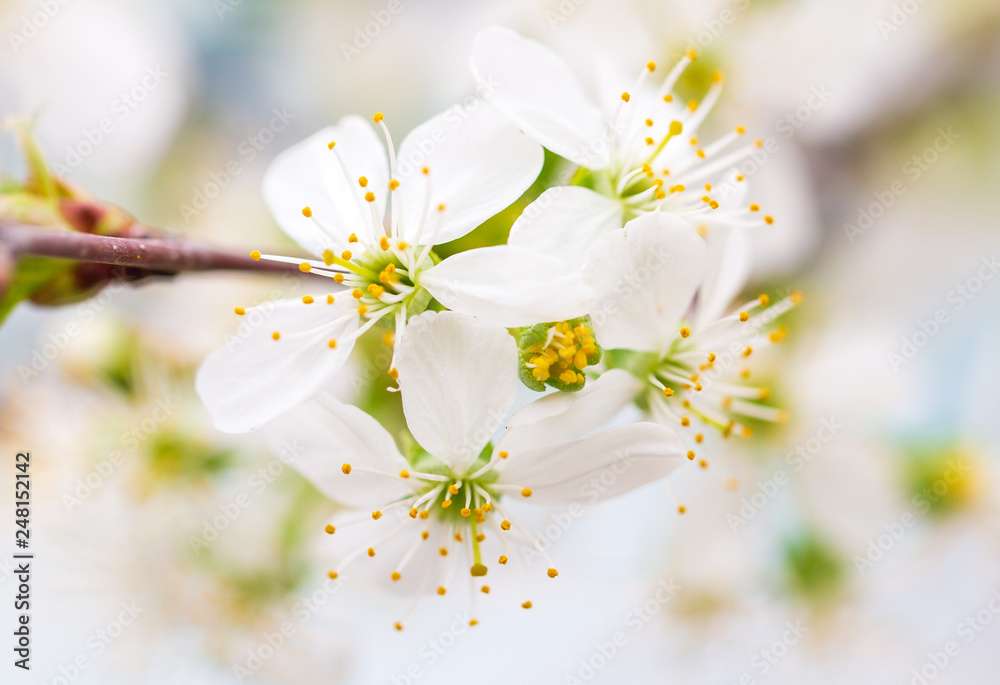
(508,286)
(564,222)
(619,459)
(254,378)
(727,270)
(536,89)
(478,163)
(458,380)
(319,437)
(644,277)
(309,174)
(565,416)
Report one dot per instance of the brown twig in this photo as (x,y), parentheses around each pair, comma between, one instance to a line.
(161,255)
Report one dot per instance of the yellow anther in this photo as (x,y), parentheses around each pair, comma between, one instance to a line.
(363,181)
(505,525)
(486,589)
(332,144)
(649,122)
(441,590)
(711,356)
(691,455)
(375,290)
(307,299)
(679,188)
(276,335)
(759,143)
(487,507)
(748,351)
(445,504)
(649,141)
(502,454)
(740,130)
(378,117)
(305,267)
(376,515)
(383,242)
(371,551)
(466,512)
(338,278)
(370,196)
(626,97)
(425,171)
(685,332)
(394,373)
(396,576)
(797,297)
(692,105)
(443,551)
(353,238)
(764,300)
(755,207)
(481,536)
(441,207)
(526,605)
(478,570)
(699,438)
(357,293)
(402,245)
(458,537)
(388,339)
(502,560)
(659,195)
(346,468)
(453,489)
(741,177)
(526,492)
(330,529)
(404,474)
(328,257)
(681,509)
(703,463)
(393,184)
(307,212)
(744,316)
(668,392)
(651,66)
(552,573)
(668,98)
(676,127)
(717,77)
(240,311)
(255,255)
(768,219)
(685,421)
(332,575)
(692,54)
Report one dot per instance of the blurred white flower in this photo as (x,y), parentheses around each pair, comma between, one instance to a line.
(457,385)
(451,174)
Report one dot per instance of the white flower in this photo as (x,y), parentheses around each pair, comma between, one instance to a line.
(442,507)
(692,360)
(640,149)
(374,221)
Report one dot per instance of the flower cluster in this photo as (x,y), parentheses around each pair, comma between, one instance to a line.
(611,292)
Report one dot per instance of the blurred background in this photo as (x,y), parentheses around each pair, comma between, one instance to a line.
(859,542)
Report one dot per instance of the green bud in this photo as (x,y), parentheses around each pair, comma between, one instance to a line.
(556,354)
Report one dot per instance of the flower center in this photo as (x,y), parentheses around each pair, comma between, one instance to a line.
(556,354)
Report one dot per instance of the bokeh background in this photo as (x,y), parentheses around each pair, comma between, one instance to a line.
(861,542)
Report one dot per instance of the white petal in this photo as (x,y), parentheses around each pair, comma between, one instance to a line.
(564,222)
(727,269)
(308,174)
(601,466)
(644,277)
(458,379)
(533,86)
(565,416)
(319,437)
(479,164)
(254,378)
(508,286)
